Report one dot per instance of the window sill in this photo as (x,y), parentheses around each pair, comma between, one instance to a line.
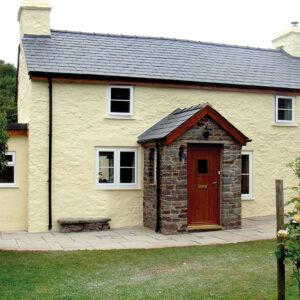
(119,117)
(285,124)
(8,187)
(117,188)
(248,199)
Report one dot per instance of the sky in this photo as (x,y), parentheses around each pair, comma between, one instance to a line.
(240,22)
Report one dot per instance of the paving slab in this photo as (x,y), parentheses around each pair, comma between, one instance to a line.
(258,228)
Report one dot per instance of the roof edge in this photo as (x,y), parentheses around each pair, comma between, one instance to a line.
(73,76)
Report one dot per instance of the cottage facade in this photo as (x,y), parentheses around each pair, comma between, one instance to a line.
(85,101)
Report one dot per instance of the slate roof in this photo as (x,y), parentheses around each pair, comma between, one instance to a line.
(160,59)
(17,126)
(168,124)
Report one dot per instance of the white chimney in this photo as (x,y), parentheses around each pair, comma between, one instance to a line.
(289,40)
(34,17)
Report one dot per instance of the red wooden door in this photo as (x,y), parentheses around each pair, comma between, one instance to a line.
(203,185)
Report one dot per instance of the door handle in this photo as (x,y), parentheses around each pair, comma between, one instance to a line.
(214,182)
(201,186)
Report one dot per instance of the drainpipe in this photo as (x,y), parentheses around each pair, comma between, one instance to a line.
(158,190)
(50,155)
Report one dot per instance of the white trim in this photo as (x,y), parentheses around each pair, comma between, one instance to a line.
(108,103)
(11,164)
(117,166)
(250,195)
(293,110)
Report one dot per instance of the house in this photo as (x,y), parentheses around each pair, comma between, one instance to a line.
(174,134)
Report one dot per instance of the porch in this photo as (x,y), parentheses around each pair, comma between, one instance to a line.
(257,228)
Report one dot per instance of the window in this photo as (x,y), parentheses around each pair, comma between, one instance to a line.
(246,182)
(285,109)
(8,176)
(120,100)
(152,165)
(116,168)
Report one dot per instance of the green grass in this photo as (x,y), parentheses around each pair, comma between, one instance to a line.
(236,271)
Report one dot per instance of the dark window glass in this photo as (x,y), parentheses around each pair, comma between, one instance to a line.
(120,106)
(127,159)
(285,103)
(7,176)
(9,157)
(127,167)
(120,93)
(245,164)
(245,184)
(285,115)
(127,175)
(202,166)
(106,167)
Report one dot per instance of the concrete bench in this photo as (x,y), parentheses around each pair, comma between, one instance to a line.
(84,224)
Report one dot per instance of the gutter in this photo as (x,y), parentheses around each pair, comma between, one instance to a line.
(50,155)
(158,189)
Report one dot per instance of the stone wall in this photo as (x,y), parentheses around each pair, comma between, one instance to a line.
(174,181)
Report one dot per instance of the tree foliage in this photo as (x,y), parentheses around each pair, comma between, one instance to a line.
(290,237)
(8,91)
(3,141)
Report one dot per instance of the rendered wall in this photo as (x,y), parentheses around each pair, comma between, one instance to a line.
(80,125)
(13,200)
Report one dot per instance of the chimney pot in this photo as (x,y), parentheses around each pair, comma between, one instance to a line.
(294,23)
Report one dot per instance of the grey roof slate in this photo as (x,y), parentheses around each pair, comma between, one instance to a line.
(79,53)
(172,121)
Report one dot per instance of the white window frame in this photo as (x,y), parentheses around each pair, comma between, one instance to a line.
(249,196)
(11,164)
(120,114)
(117,166)
(293,110)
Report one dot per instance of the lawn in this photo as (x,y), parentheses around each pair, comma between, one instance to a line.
(235,271)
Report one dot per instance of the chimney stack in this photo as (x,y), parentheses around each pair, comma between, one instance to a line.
(34,17)
(289,40)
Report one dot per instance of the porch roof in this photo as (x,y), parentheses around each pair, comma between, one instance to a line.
(180,120)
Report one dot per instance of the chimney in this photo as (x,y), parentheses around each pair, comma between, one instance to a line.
(34,17)
(289,40)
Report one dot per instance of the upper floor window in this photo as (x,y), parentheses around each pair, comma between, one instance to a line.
(246,183)
(285,109)
(8,176)
(120,101)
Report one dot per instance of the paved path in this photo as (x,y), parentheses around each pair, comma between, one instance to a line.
(259,228)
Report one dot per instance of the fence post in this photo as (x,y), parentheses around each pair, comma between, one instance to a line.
(280,222)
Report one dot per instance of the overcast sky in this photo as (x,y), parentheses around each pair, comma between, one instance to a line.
(241,22)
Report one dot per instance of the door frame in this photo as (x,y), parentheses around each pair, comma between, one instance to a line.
(205,226)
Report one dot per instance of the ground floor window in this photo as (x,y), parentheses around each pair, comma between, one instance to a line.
(8,176)
(246,174)
(116,167)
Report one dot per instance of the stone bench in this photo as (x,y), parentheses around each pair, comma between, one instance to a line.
(84,224)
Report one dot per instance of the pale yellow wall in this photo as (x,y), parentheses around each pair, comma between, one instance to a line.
(289,41)
(13,200)
(80,125)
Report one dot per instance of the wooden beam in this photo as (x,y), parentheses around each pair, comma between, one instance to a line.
(17,132)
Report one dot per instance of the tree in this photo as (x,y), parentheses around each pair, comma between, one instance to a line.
(8,104)
(3,141)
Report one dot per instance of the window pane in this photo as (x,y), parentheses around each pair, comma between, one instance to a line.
(106,159)
(202,166)
(7,176)
(106,175)
(285,115)
(245,164)
(120,93)
(127,159)
(285,103)
(106,167)
(9,157)
(127,175)
(245,184)
(120,106)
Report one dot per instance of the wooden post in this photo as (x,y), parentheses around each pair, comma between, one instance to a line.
(280,222)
